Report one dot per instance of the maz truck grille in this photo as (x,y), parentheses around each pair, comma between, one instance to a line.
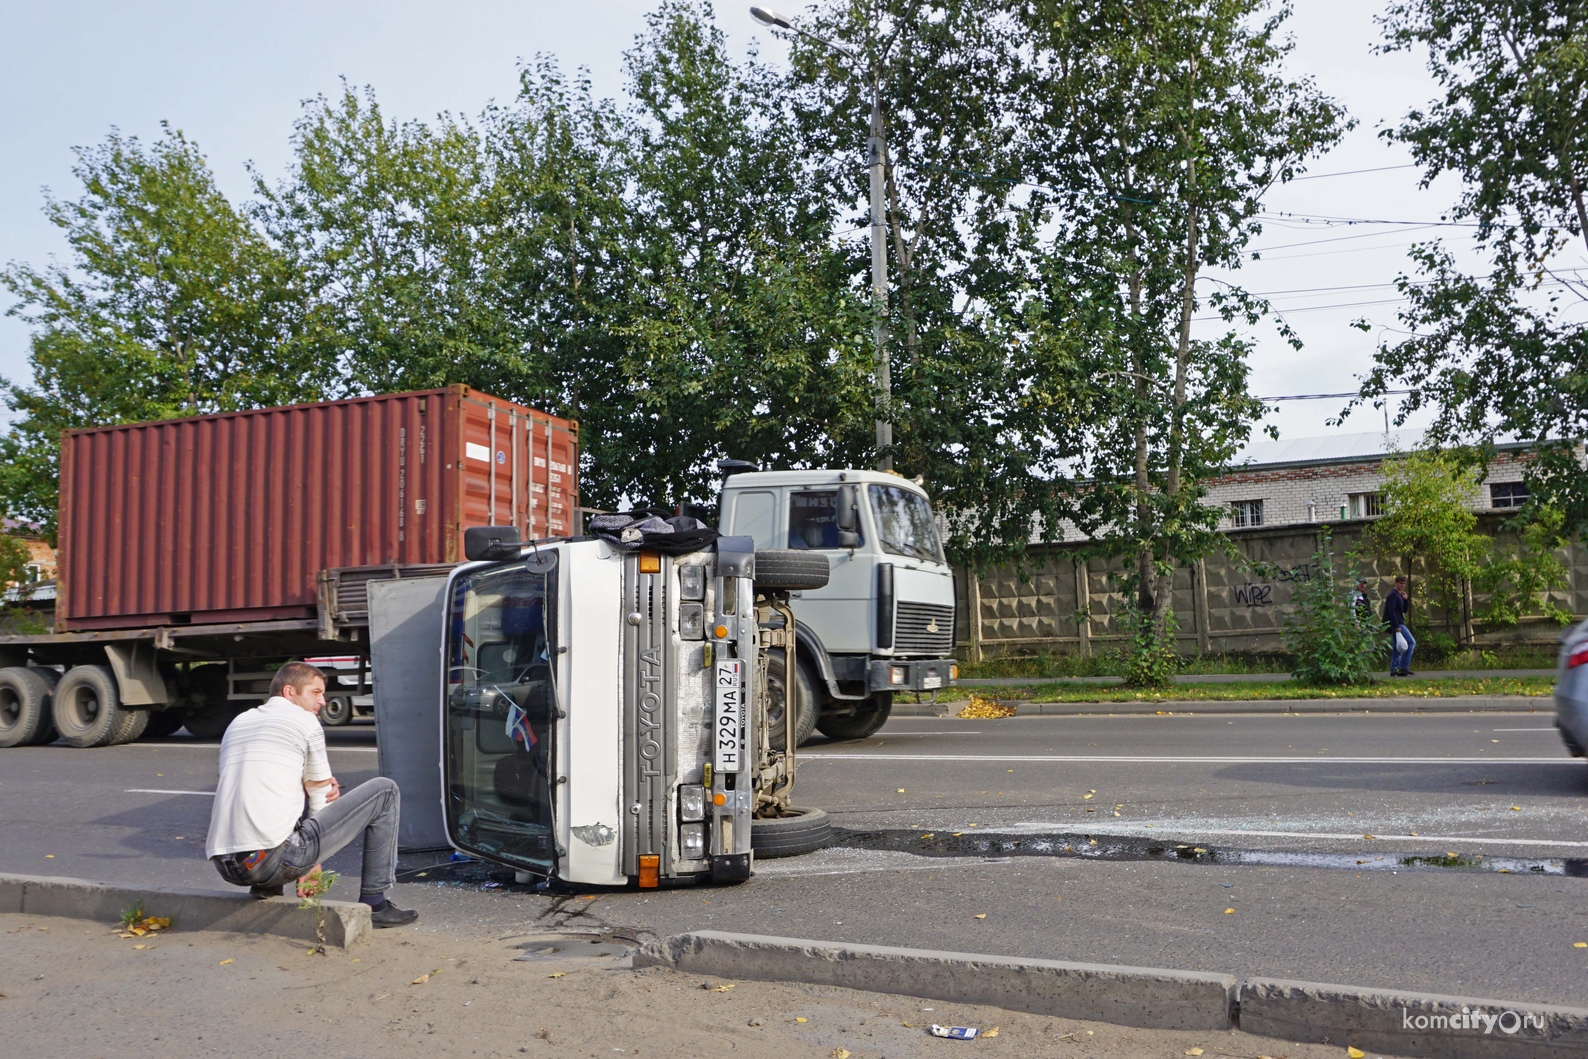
(923,629)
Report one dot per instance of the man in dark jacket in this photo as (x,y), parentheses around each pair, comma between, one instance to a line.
(1396,604)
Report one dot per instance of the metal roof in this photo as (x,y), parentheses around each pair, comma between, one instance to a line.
(1329,448)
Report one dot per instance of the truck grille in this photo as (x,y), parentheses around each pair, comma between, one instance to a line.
(923,629)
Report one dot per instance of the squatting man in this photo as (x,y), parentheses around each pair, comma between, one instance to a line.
(279,811)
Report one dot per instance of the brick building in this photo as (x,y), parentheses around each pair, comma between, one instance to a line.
(1335,478)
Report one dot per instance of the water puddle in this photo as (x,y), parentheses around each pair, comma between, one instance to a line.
(1116,847)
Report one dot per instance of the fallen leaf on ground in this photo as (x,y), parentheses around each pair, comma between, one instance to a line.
(992,1032)
(927,836)
(589,897)
(722,989)
(559,974)
(840,1053)
(140,946)
(1094,841)
(1355,1053)
(1193,1051)
(979,915)
(901,790)
(1086,797)
(1367,836)
(422,979)
(798,1019)
(226,961)
(1579,944)
(1516,808)
(1229,911)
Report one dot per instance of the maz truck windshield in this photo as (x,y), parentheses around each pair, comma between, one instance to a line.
(904,523)
(501,703)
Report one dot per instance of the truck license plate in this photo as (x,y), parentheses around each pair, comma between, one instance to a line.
(931,682)
(730,714)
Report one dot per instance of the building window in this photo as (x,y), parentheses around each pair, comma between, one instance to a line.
(1365,505)
(32,572)
(1244,513)
(1507,494)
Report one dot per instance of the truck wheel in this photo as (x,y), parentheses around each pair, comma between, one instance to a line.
(87,707)
(134,723)
(861,724)
(24,706)
(162,723)
(338,711)
(796,831)
(805,724)
(788,568)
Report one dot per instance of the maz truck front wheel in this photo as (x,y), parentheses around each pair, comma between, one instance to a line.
(798,830)
(861,724)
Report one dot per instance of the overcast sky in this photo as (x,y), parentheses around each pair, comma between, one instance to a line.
(233,80)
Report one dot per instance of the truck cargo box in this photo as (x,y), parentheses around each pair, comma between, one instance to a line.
(229,518)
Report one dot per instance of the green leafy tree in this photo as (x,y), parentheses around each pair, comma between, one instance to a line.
(172,303)
(14,559)
(1428,526)
(1155,131)
(1501,351)
(1334,641)
(1516,577)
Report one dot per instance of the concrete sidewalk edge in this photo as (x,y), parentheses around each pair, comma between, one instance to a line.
(346,922)
(1453,704)
(1127,996)
(1407,1024)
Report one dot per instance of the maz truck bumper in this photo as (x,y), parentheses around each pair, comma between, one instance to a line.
(913,674)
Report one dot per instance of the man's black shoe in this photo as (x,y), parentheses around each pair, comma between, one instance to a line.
(1407,673)
(389,915)
(262,892)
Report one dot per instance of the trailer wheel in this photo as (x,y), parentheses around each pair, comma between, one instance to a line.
(211,722)
(797,831)
(87,707)
(135,721)
(810,704)
(24,706)
(789,568)
(162,723)
(861,724)
(338,710)
(47,733)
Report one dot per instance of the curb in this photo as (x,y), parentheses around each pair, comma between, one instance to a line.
(1411,1024)
(1451,704)
(1126,996)
(1408,1024)
(346,922)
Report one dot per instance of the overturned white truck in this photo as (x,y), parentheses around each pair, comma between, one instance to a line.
(605,706)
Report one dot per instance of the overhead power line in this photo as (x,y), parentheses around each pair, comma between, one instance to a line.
(1354,172)
(1322,396)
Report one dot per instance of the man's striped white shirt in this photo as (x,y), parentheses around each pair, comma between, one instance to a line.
(266,756)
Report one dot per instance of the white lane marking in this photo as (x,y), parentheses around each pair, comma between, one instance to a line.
(1078,759)
(216,746)
(1186,829)
(977,731)
(153,790)
(1524,729)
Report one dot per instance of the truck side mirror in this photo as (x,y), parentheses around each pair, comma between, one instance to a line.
(848,517)
(490,543)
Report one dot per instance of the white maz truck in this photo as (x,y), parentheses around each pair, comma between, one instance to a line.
(604,711)
(884,622)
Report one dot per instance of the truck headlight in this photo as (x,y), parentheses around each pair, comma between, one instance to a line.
(692,620)
(692,582)
(692,841)
(692,802)
(897,674)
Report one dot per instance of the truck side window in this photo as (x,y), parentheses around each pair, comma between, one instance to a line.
(813,521)
(755,515)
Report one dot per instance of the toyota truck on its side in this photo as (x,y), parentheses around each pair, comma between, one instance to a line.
(884,622)
(604,709)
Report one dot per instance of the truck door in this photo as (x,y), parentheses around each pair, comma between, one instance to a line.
(830,519)
(501,704)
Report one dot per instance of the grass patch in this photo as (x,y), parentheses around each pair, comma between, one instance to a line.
(1106,664)
(1540,687)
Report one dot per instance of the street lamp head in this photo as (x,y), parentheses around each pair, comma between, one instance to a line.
(770,18)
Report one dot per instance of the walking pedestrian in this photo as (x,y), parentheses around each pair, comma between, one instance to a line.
(1403,643)
(278,810)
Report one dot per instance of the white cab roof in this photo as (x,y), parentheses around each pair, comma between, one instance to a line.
(773,479)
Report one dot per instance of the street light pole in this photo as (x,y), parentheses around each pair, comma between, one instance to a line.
(876,153)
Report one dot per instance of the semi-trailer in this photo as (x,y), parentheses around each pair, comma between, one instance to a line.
(196,554)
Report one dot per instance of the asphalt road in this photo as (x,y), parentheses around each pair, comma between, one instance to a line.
(1456,892)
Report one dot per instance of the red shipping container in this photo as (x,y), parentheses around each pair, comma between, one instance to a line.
(227,518)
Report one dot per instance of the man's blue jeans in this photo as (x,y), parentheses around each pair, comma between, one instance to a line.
(1401,660)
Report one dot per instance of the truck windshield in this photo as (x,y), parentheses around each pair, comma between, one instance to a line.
(500,707)
(904,523)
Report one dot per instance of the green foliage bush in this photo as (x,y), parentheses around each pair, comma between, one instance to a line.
(1334,642)
(1148,658)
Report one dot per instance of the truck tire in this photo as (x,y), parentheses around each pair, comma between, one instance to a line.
(135,721)
(162,723)
(338,711)
(861,724)
(797,831)
(47,733)
(788,568)
(24,706)
(810,705)
(87,707)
